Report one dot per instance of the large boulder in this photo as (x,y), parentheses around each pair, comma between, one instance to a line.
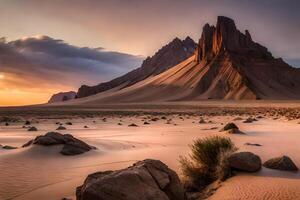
(71,145)
(245,161)
(281,163)
(144,180)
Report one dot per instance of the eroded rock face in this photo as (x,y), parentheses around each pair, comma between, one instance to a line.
(167,57)
(145,180)
(71,145)
(62,96)
(284,163)
(225,37)
(245,161)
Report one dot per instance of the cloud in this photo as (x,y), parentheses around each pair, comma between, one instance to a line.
(43,62)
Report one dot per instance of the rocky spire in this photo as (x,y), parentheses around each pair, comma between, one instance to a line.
(225,37)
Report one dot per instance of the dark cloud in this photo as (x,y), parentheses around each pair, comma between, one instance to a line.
(47,61)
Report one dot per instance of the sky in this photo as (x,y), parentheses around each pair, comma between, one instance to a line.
(50,46)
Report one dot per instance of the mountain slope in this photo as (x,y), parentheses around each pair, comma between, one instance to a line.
(168,56)
(227,64)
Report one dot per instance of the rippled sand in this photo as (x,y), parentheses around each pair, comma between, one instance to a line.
(42,173)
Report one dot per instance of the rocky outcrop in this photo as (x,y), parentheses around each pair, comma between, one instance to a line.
(284,163)
(144,180)
(167,57)
(62,96)
(71,145)
(245,161)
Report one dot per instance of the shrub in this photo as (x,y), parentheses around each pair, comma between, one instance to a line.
(207,161)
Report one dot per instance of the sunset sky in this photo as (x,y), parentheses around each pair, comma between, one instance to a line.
(57,45)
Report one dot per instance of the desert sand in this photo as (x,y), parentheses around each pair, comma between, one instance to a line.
(38,172)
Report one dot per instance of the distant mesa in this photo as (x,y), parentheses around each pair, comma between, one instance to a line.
(62,96)
(225,64)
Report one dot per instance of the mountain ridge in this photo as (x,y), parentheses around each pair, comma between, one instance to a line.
(227,64)
(168,56)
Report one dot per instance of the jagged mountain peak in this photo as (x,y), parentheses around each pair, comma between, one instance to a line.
(225,37)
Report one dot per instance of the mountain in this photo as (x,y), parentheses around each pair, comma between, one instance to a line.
(62,96)
(168,56)
(227,64)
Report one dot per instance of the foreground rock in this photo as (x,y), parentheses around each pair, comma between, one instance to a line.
(281,163)
(72,145)
(245,161)
(145,180)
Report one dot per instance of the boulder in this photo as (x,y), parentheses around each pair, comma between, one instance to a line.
(284,163)
(71,145)
(144,180)
(245,161)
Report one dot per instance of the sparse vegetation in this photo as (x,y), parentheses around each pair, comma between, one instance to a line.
(207,162)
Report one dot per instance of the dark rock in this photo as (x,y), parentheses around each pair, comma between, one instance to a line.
(32,129)
(133,125)
(245,161)
(85,127)
(8,147)
(229,126)
(202,121)
(27,122)
(253,144)
(6,124)
(146,123)
(281,163)
(69,123)
(72,145)
(249,120)
(145,180)
(61,128)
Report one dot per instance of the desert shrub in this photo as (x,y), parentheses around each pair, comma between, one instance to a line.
(207,161)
